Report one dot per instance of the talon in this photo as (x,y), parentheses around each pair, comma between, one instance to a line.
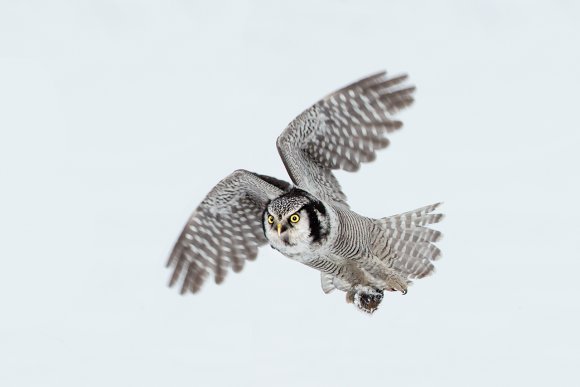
(404,291)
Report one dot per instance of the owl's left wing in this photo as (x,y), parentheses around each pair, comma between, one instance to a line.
(342,131)
(225,230)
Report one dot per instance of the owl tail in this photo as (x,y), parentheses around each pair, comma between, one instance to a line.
(406,245)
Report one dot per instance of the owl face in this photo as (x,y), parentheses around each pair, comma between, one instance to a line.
(291,223)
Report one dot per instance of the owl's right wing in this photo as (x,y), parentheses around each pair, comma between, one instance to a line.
(225,230)
(341,131)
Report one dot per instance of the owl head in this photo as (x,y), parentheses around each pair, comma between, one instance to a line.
(295,220)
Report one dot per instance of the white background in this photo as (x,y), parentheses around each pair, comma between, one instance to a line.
(117,117)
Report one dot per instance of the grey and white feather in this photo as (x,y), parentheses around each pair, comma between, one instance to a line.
(310,221)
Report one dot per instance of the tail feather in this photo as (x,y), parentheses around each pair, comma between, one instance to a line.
(416,234)
(419,217)
(406,245)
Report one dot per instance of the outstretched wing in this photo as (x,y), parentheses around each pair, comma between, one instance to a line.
(225,230)
(342,131)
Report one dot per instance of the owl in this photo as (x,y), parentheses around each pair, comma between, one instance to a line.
(309,220)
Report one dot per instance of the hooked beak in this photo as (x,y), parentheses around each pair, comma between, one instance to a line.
(279,228)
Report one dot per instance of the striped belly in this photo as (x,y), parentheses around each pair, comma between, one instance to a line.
(352,235)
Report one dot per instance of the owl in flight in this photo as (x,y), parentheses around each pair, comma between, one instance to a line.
(310,221)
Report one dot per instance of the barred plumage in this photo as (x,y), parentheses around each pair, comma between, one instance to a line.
(353,231)
(311,221)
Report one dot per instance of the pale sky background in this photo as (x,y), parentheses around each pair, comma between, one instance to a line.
(117,117)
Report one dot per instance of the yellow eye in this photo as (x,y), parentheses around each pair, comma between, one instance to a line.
(270,219)
(294,218)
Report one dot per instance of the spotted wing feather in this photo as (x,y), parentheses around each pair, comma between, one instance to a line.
(224,231)
(341,131)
